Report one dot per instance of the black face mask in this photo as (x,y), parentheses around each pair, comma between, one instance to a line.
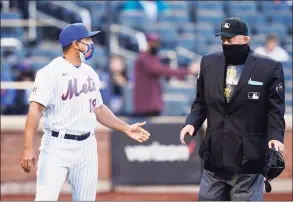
(154,50)
(236,54)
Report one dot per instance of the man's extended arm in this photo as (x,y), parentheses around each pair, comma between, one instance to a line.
(159,69)
(106,117)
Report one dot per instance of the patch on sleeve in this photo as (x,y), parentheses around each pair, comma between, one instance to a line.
(35,89)
(198,74)
(279,87)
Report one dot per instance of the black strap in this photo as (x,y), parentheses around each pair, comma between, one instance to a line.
(268,187)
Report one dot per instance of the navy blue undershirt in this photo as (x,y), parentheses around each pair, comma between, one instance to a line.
(73,65)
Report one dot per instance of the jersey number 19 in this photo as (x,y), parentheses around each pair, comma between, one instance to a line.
(92,105)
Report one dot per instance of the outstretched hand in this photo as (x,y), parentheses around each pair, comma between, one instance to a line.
(136,132)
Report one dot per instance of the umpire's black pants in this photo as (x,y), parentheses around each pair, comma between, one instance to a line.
(231,187)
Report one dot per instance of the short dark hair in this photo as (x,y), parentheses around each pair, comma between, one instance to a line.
(117,56)
(272,37)
(66,48)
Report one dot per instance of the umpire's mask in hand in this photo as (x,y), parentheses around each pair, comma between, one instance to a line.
(274,166)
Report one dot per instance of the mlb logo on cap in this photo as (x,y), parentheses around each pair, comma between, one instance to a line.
(231,27)
(226,25)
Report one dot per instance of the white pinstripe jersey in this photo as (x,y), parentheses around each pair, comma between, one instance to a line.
(70,95)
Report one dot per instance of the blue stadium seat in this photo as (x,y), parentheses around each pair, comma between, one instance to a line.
(51,9)
(183,61)
(93,6)
(214,40)
(209,5)
(287,73)
(214,48)
(6,74)
(270,6)
(38,62)
(288,48)
(189,92)
(11,32)
(239,6)
(175,105)
(187,28)
(201,44)
(84,4)
(127,92)
(105,90)
(135,19)
(278,29)
(288,40)
(206,30)
(98,20)
(49,45)
(116,6)
(168,35)
(130,65)
(7,95)
(175,17)
(47,49)
(289,109)
(288,85)
(46,53)
(288,99)
(255,45)
(101,57)
(207,16)
(177,5)
(288,66)
(11,15)
(188,41)
(282,18)
(257,40)
(97,10)
(11,50)
(251,18)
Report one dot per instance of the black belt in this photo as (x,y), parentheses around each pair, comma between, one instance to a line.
(72,137)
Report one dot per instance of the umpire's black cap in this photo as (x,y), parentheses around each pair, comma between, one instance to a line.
(231,27)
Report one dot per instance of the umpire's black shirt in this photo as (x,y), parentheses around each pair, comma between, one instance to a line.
(238,131)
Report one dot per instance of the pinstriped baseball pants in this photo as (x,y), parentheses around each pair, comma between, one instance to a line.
(75,160)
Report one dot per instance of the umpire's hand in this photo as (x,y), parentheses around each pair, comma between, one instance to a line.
(188,129)
(277,145)
(28,159)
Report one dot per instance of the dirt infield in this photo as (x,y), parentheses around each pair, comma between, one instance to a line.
(116,196)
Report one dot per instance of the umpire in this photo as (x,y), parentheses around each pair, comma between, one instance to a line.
(241,94)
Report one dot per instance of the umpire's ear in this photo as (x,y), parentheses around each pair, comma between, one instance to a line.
(246,39)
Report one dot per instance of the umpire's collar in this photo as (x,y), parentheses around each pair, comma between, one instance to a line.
(251,54)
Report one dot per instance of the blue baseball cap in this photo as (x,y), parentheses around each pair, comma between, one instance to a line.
(75,32)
